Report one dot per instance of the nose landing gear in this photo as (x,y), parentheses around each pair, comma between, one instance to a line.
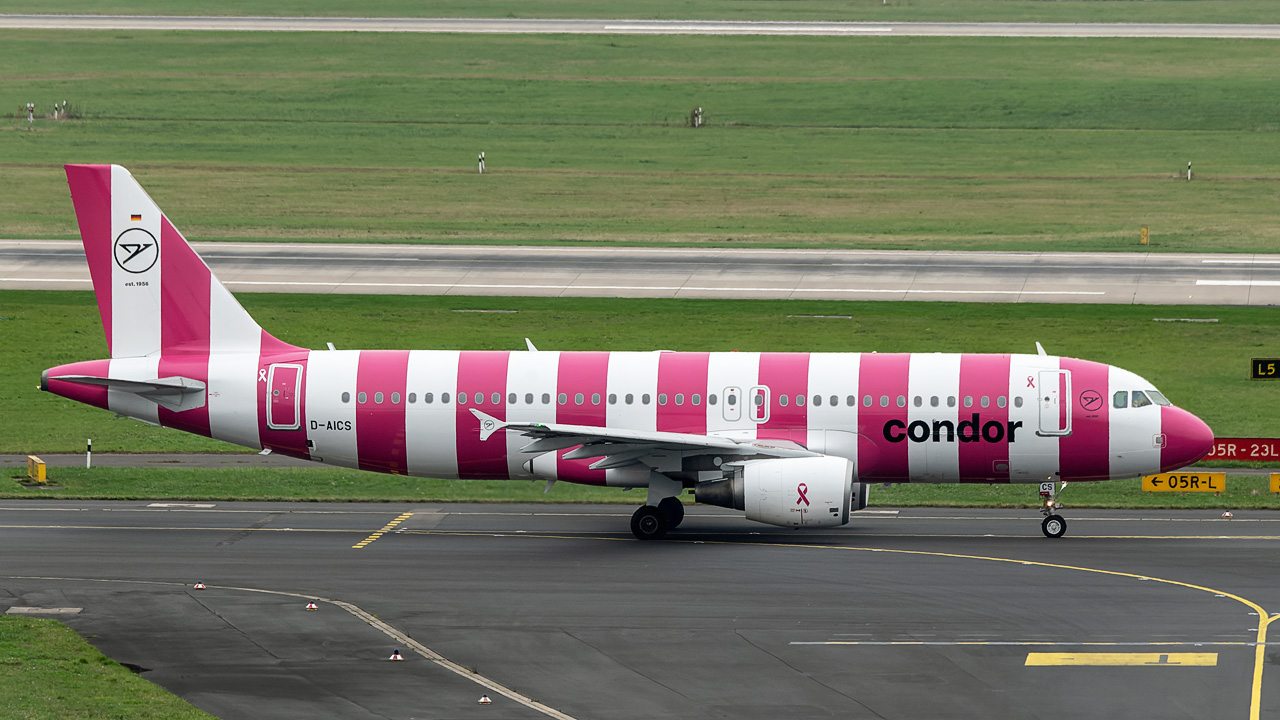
(1053,525)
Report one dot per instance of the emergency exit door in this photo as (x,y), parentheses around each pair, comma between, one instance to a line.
(284,385)
(1055,402)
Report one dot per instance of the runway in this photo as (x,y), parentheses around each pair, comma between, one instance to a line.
(635,27)
(903,614)
(1139,278)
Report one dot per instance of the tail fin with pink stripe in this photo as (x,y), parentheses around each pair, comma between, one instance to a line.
(155,295)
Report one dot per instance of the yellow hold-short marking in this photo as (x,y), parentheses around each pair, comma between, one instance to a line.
(1117,659)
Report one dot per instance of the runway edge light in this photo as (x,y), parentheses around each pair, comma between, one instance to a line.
(199,586)
(484,700)
(396,656)
(312,606)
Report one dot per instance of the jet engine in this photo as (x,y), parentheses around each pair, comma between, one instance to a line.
(791,492)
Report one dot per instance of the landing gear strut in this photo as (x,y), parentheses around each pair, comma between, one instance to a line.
(652,522)
(1054,525)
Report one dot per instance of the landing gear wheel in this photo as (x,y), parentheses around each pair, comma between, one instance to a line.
(649,523)
(674,510)
(1054,526)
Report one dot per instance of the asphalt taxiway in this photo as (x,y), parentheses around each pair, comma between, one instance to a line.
(913,614)
(543,26)
(1142,278)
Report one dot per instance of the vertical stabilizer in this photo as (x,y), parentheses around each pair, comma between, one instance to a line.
(155,295)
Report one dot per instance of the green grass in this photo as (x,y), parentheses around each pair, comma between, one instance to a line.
(868,142)
(336,484)
(49,672)
(1255,11)
(1200,366)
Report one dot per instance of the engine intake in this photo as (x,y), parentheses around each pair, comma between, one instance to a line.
(790,492)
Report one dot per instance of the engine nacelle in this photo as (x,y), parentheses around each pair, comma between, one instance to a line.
(791,492)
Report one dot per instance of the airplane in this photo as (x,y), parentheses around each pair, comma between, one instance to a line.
(791,439)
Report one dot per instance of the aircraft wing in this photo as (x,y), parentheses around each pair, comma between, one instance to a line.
(618,447)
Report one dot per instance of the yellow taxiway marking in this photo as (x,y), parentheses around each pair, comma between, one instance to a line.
(385,529)
(1037,659)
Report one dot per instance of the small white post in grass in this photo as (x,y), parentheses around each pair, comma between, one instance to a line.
(1188,172)
(480,160)
(88,454)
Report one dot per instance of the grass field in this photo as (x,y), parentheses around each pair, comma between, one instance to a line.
(336,484)
(48,672)
(1200,366)
(867,142)
(1229,11)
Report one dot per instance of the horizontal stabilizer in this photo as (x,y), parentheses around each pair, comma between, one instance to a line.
(171,393)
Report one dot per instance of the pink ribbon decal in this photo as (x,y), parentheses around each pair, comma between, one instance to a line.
(802,489)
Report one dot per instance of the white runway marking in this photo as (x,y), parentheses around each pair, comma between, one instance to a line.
(1240,283)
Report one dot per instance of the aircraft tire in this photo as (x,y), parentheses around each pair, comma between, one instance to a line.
(1054,526)
(649,523)
(674,510)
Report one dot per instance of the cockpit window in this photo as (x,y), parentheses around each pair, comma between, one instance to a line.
(1121,399)
(1157,398)
(1140,399)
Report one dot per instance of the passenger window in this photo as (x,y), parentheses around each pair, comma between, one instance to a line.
(985,401)
(613,398)
(851,400)
(595,398)
(968,401)
(835,401)
(479,398)
(528,398)
(951,401)
(629,399)
(361,398)
(817,401)
(697,399)
(1140,399)
(712,399)
(758,400)
(444,398)
(562,398)
(902,401)
(377,398)
(731,399)
(799,401)
(662,398)
(546,398)
(413,398)
(462,398)
(679,398)
(428,398)
(346,397)
(496,398)
(511,398)
(1001,402)
(917,401)
(1120,400)
(1017,401)
(645,398)
(866,401)
(933,401)
(783,400)
(884,401)
(577,398)
(395,398)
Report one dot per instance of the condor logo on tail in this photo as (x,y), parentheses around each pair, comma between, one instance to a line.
(968,431)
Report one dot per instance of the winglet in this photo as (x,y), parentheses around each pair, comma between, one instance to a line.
(1040,349)
(529,342)
(488,424)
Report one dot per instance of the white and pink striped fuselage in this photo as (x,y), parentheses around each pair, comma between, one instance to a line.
(791,439)
(898,417)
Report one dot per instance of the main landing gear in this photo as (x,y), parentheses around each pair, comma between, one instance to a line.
(652,522)
(1053,525)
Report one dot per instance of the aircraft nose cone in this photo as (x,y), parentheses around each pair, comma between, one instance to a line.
(1187,438)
